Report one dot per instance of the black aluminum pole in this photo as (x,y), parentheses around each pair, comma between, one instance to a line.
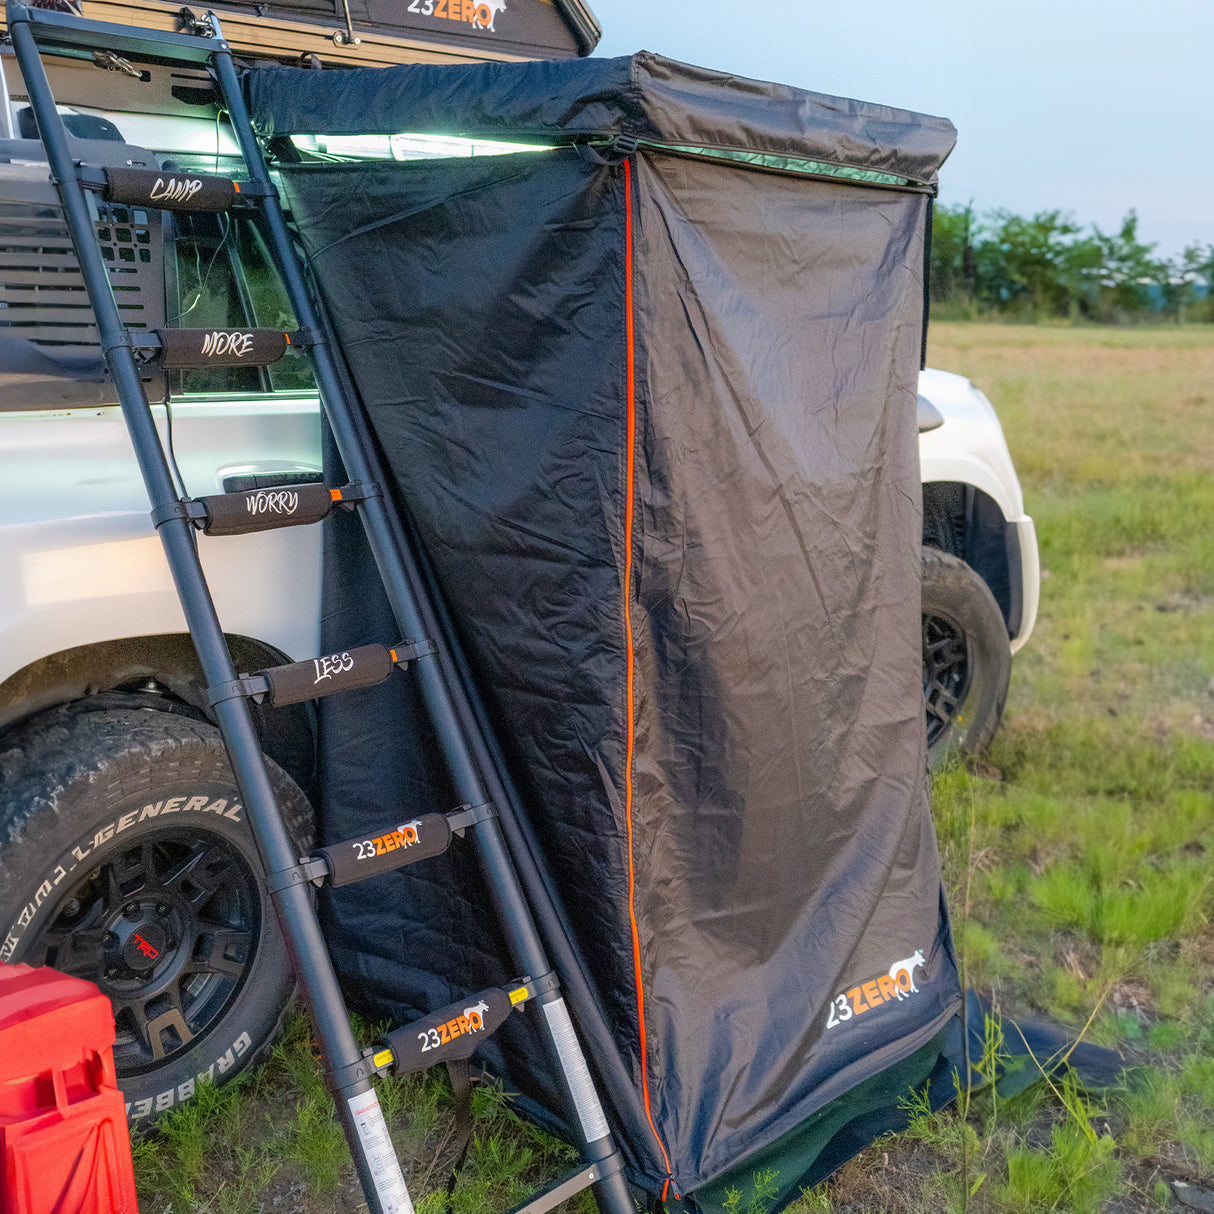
(353,1092)
(404,594)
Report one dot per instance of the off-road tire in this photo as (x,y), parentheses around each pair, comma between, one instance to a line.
(967,658)
(126,858)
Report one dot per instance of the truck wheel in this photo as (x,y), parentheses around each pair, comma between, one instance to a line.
(126,858)
(967,659)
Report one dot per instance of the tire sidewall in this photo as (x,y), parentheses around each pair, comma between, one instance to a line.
(953,591)
(91,825)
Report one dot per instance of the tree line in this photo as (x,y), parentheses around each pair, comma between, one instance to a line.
(1047,265)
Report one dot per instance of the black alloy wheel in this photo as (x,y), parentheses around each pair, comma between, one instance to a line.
(947,666)
(167,928)
(967,657)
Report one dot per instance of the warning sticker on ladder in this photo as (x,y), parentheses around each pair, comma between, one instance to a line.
(380,1154)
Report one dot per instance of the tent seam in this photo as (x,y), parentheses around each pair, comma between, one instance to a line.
(629,472)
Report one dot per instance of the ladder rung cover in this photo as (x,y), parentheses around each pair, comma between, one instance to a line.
(184,348)
(385,850)
(266,509)
(363,666)
(170,191)
(451,1033)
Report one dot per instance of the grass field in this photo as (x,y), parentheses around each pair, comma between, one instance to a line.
(1077,854)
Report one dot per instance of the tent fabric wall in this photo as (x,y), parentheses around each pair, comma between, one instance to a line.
(651,420)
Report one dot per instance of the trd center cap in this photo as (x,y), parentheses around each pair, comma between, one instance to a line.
(143,947)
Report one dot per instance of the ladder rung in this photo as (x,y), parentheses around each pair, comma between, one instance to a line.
(59,31)
(170,191)
(363,666)
(450,1033)
(570,1185)
(192,348)
(370,855)
(395,847)
(267,509)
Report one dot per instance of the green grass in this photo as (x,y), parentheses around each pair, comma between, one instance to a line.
(1078,855)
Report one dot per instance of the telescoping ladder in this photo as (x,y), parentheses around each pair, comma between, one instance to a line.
(482,812)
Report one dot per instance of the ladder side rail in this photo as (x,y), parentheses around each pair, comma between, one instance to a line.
(404,596)
(296,916)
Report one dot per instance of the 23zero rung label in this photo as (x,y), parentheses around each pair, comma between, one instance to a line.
(404,835)
(357,859)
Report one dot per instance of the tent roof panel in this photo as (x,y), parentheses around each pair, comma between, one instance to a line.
(644,95)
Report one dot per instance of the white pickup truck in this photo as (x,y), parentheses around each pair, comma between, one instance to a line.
(124,856)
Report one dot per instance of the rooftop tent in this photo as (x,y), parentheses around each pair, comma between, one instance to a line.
(647,402)
(450,29)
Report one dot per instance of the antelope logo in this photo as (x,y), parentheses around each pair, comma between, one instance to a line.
(479,13)
(486,14)
(903,973)
(472,1021)
(896,985)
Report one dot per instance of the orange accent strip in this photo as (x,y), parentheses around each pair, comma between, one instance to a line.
(236,186)
(288,337)
(335,494)
(628,520)
(395,659)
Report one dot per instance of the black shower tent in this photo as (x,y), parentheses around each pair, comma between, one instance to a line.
(647,398)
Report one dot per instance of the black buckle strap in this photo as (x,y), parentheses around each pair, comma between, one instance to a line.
(351,1073)
(467,815)
(314,870)
(255,189)
(191,511)
(408,651)
(252,687)
(143,342)
(91,177)
(357,491)
(534,988)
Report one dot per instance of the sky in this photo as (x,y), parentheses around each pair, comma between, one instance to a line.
(1092,108)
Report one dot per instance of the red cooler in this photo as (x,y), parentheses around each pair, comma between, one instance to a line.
(64,1146)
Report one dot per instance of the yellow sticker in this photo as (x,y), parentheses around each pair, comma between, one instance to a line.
(383,1058)
(518,995)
